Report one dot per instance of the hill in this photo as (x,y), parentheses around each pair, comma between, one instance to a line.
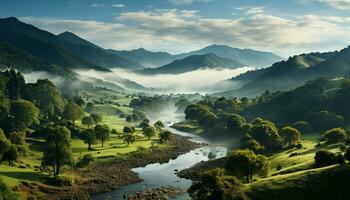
(195,62)
(10,27)
(292,73)
(249,57)
(11,57)
(146,58)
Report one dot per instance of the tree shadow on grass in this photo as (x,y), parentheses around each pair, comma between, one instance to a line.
(26,176)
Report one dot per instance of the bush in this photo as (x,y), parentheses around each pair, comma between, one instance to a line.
(325,158)
(60,181)
(299,146)
(335,135)
(86,160)
(303,126)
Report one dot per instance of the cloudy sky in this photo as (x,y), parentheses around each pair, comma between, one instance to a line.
(284,27)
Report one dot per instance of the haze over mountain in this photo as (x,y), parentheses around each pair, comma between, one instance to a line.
(293,72)
(194,62)
(146,58)
(248,57)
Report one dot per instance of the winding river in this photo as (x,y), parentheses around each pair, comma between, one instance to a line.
(157,175)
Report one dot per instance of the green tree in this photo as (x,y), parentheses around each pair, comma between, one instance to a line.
(102,132)
(234,124)
(11,154)
(18,138)
(246,163)
(266,133)
(214,184)
(149,132)
(23,114)
(129,138)
(164,136)
(247,142)
(290,136)
(97,118)
(128,130)
(87,121)
(58,150)
(72,112)
(51,104)
(143,125)
(303,126)
(325,158)
(159,125)
(89,137)
(335,135)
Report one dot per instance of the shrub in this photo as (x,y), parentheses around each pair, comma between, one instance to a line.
(60,181)
(325,158)
(335,135)
(86,160)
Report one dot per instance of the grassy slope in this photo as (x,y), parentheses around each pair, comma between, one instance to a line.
(299,179)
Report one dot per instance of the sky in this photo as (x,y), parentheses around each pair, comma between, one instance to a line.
(284,27)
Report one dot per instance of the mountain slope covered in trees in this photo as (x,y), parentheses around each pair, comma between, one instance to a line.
(195,62)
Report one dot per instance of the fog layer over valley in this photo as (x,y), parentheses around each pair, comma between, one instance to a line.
(195,81)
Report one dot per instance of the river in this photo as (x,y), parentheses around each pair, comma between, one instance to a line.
(157,175)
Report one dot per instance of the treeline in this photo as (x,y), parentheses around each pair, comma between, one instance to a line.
(315,107)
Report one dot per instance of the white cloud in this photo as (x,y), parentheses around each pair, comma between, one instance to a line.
(338,4)
(118,5)
(97,5)
(187,2)
(183,30)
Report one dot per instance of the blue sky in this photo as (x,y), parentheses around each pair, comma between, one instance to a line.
(281,26)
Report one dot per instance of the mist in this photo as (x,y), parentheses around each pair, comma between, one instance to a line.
(200,80)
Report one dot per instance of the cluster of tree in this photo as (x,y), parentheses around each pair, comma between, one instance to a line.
(136,116)
(92,135)
(150,104)
(325,158)
(225,184)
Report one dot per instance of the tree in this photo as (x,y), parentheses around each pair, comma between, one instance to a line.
(51,103)
(87,121)
(90,106)
(11,154)
(129,138)
(144,125)
(213,184)
(89,137)
(97,118)
(149,132)
(335,135)
(128,130)
(72,112)
(4,144)
(159,125)
(290,135)
(164,136)
(247,142)
(246,163)
(58,150)
(102,132)
(234,124)
(303,126)
(325,158)
(266,133)
(23,114)
(18,138)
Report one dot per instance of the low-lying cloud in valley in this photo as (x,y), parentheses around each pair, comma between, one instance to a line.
(195,81)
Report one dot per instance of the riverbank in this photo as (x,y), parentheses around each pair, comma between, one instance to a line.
(109,174)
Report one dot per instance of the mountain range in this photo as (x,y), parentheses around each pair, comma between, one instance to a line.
(192,63)
(291,73)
